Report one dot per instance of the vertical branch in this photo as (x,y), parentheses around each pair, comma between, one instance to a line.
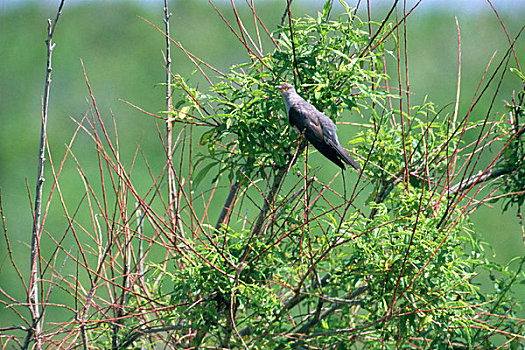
(306,224)
(520,216)
(140,225)
(451,159)
(173,203)
(292,40)
(126,252)
(458,89)
(400,87)
(405,58)
(372,63)
(283,18)
(33,300)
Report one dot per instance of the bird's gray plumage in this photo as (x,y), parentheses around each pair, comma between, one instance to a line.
(318,129)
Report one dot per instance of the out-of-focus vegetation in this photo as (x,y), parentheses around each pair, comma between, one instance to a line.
(122,56)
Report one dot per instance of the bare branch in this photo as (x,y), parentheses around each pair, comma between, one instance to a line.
(33,296)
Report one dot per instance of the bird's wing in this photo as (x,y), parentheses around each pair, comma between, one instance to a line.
(329,130)
(315,125)
(330,138)
(303,116)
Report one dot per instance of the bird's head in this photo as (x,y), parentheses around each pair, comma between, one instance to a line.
(286,89)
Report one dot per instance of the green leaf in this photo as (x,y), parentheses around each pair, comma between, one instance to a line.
(345,5)
(202,173)
(206,136)
(518,73)
(326,9)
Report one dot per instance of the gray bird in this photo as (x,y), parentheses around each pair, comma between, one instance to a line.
(318,129)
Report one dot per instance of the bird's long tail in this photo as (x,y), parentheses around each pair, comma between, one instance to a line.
(345,157)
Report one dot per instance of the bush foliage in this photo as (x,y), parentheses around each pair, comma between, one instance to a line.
(392,262)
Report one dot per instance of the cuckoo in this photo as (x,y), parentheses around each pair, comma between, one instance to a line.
(318,129)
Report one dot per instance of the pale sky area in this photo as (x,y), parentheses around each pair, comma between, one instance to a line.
(465,5)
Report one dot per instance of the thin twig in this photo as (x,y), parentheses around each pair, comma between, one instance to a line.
(33,300)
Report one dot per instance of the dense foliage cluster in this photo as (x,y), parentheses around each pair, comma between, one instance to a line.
(320,273)
(291,257)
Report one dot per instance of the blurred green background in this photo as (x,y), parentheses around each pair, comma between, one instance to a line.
(123,60)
